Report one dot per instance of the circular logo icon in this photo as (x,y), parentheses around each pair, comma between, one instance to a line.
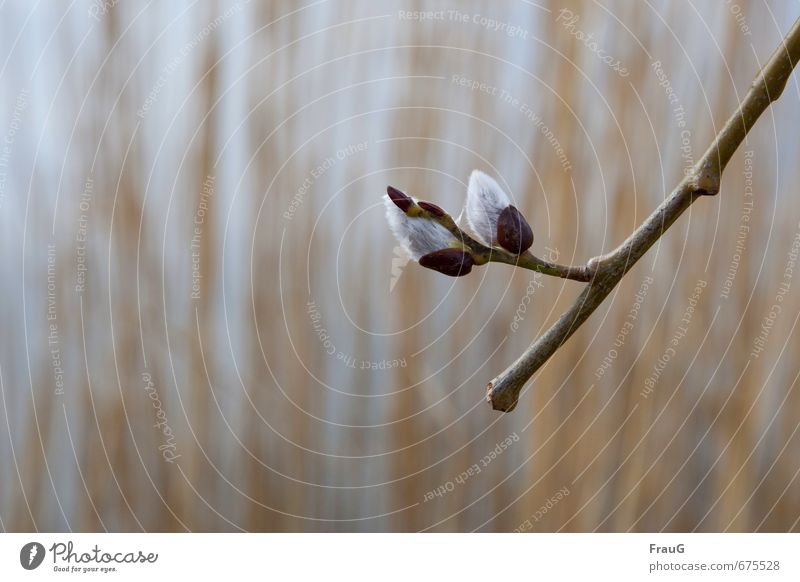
(31,555)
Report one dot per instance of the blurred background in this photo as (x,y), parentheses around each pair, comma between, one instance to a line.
(207,324)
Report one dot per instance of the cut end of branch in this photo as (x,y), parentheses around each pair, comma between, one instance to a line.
(502,400)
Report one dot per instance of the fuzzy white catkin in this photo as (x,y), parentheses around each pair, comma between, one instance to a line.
(485,201)
(418,236)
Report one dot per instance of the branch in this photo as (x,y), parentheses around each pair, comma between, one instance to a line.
(482,254)
(704,179)
(529,261)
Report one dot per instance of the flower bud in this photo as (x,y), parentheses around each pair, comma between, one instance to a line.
(450,261)
(431,208)
(514,233)
(402,201)
(485,200)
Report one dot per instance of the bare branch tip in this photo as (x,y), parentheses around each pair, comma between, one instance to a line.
(501,400)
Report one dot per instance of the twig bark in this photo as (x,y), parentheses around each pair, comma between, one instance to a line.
(483,254)
(608,270)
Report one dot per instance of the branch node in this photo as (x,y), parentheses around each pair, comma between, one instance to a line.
(706,182)
(596,266)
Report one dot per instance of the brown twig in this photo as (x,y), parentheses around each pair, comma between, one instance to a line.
(483,254)
(608,270)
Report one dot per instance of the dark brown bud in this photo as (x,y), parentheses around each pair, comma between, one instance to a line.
(451,262)
(513,232)
(402,201)
(431,208)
